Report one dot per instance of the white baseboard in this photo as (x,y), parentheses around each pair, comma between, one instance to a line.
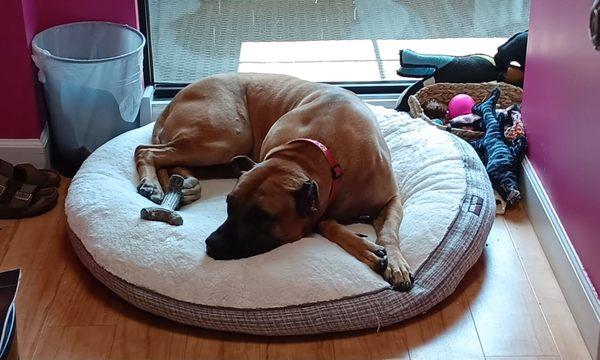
(146,106)
(157,108)
(385,100)
(574,283)
(33,151)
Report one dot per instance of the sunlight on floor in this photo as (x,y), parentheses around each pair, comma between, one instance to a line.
(350,60)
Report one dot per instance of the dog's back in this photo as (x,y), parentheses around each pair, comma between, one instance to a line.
(249,101)
(253,113)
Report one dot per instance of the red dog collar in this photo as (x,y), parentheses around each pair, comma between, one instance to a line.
(336,169)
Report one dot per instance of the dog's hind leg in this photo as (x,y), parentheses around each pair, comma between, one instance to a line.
(356,245)
(387,225)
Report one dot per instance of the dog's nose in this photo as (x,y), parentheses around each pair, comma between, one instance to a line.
(216,248)
(210,251)
(212,247)
(210,242)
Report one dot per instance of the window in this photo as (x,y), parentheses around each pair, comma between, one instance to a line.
(321,40)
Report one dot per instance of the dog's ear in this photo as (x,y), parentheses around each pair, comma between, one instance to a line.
(307,199)
(242,163)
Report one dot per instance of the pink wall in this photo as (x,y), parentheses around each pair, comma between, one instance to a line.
(561,115)
(56,12)
(18,98)
(21,103)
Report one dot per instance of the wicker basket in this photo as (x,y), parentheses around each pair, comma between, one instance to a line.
(443,92)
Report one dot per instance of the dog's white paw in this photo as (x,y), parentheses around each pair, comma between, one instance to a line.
(372,254)
(398,271)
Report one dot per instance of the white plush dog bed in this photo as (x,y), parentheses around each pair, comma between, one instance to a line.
(309,286)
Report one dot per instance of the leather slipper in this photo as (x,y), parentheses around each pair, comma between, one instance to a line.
(19,200)
(29,174)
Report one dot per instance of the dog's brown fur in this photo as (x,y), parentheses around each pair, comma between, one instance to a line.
(222,117)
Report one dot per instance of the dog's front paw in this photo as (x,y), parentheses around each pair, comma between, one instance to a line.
(398,272)
(380,261)
(373,255)
(150,190)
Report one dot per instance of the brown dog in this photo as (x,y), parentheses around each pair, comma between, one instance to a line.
(235,118)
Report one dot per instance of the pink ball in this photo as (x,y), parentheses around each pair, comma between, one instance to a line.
(460,104)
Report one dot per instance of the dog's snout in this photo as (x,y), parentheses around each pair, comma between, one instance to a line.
(234,241)
(215,247)
(221,244)
(211,245)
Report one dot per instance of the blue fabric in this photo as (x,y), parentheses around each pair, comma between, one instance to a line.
(413,64)
(500,156)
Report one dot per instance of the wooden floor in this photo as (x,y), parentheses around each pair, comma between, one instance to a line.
(508,307)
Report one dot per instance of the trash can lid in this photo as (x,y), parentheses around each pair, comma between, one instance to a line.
(67,42)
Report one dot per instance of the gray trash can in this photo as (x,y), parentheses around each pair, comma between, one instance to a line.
(93,83)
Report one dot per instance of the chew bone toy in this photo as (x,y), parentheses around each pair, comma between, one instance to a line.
(166,211)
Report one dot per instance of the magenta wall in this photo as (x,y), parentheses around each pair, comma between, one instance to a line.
(55,12)
(18,98)
(21,103)
(561,112)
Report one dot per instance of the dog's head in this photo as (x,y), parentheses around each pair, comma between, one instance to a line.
(272,204)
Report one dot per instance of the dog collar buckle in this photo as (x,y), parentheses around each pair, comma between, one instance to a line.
(336,172)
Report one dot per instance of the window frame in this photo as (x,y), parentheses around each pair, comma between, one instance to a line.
(166,90)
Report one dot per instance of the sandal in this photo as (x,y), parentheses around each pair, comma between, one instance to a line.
(19,200)
(29,174)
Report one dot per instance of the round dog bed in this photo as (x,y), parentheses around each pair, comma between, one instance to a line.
(310,286)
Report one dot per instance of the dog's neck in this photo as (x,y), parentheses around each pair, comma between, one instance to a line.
(313,167)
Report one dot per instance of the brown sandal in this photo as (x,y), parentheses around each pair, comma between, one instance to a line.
(24,200)
(29,174)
